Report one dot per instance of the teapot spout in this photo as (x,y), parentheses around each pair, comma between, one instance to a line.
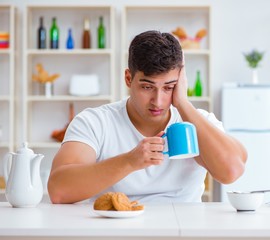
(35,169)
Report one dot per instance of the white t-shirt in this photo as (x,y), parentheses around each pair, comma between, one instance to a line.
(109,131)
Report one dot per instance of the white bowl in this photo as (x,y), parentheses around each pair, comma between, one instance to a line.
(246,201)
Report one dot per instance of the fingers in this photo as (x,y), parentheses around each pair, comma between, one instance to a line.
(156,162)
(156,144)
(156,156)
(156,147)
(183,72)
(154,140)
(160,134)
(148,152)
(183,59)
(183,69)
(156,159)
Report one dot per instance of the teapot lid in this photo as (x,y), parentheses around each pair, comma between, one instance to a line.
(24,149)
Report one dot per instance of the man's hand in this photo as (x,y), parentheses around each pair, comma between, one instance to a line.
(148,152)
(180,90)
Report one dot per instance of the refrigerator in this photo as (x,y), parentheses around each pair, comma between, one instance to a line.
(246,117)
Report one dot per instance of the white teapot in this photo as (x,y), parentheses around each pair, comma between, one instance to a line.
(22,175)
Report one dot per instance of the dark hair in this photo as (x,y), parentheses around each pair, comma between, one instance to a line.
(153,52)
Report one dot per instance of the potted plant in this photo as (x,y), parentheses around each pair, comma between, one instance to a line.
(45,79)
(253,58)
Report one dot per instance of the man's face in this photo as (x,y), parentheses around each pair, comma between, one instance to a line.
(151,97)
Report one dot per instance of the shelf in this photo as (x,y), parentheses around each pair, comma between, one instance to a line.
(68,98)
(67,7)
(191,52)
(4,98)
(169,8)
(199,99)
(4,144)
(42,114)
(69,52)
(44,144)
(5,51)
(7,81)
(196,51)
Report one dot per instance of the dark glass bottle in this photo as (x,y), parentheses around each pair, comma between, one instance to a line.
(54,34)
(70,41)
(198,85)
(86,41)
(101,34)
(41,37)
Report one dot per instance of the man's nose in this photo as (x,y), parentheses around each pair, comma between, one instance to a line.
(157,98)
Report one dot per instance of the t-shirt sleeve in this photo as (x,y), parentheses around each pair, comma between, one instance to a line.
(85,128)
(212,118)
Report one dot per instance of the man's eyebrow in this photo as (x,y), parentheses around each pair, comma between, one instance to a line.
(172,81)
(146,80)
(152,82)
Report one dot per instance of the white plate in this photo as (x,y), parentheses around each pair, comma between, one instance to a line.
(119,214)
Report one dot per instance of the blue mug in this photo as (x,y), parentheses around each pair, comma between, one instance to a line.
(182,141)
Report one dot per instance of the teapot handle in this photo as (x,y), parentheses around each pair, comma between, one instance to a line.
(7,165)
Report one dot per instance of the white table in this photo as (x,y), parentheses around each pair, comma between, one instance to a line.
(159,221)
(220,220)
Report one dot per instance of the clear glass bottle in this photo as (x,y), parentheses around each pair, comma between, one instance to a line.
(101,34)
(86,40)
(70,41)
(41,35)
(54,35)
(198,85)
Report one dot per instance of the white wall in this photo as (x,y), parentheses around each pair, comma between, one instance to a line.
(239,26)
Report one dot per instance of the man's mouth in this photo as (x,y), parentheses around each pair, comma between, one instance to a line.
(155,112)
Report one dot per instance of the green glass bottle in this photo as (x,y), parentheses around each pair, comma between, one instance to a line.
(101,34)
(198,85)
(54,35)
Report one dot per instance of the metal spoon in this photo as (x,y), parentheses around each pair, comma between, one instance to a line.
(256,191)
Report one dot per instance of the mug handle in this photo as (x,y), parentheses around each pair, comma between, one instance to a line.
(164,136)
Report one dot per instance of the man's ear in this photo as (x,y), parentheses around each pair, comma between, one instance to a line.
(128,78)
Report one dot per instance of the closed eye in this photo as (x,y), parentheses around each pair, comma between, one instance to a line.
(169,87)
(147,87)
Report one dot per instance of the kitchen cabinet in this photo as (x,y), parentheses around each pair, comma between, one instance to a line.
(7,70)
(136,19)
(43,114)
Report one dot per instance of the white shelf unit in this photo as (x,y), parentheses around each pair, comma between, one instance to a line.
(7,78)
(166,19)
(42,115)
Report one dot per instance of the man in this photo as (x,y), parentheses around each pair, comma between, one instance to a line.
(118,147)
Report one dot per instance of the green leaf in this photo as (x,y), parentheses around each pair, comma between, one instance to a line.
(253,58)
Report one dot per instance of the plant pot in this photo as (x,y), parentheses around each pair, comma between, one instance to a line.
(255,76)
(46,89)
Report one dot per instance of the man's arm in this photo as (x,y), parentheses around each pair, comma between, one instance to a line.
(223,156)
(75,175)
